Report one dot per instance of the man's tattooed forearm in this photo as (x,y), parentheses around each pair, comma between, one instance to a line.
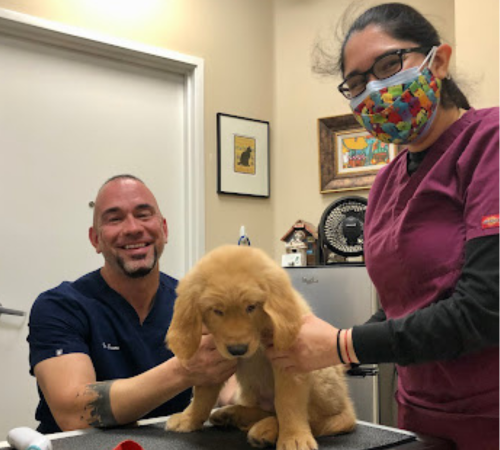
(97,411)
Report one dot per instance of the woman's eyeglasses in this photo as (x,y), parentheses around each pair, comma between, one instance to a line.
(385,66)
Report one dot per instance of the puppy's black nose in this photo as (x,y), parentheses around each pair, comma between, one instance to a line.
(237,349)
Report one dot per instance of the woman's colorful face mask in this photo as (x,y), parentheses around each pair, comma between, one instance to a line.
(399,109)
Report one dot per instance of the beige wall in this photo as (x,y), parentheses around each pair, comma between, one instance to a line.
(257,55)
(477,50)
(234,37)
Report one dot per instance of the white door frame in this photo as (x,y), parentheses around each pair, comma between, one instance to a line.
(191,68)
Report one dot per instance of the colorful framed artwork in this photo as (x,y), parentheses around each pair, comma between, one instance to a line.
(349,156)
(243,156)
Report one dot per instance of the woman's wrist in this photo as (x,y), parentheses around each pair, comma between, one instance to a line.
(345,347)
(339,346)
(349,345)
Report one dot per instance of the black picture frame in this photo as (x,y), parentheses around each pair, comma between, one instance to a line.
(243,158)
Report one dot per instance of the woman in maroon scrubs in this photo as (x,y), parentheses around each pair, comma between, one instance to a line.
(431,234)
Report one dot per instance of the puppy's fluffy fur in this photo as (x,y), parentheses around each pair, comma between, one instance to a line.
(241,296)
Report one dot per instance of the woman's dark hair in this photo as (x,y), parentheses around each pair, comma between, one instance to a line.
(404,23)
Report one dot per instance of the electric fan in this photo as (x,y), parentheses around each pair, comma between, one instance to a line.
(340,231)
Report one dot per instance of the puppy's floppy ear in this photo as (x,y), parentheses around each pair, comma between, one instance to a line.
(283,308)
(184,334)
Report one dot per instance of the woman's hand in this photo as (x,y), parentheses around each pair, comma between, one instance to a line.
(315,348)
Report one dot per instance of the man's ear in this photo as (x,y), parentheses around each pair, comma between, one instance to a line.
(94,239)
(441,62)
(165,229)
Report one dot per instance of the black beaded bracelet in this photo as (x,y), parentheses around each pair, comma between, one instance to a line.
(338,346)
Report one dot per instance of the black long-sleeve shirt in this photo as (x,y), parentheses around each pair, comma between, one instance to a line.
(463,323)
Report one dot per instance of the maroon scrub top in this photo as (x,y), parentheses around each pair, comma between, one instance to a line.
(415,234)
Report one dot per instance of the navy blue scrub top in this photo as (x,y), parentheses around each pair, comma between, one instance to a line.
(87,316)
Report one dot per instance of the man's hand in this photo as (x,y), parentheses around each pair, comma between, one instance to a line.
(207,366)
(315,348)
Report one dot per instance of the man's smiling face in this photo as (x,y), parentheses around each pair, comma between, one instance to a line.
(128,229)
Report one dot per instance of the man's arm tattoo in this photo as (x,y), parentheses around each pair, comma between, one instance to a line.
(97,411)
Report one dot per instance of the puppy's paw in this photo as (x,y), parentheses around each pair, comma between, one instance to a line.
(297,441)
(183,423)
(224,417)
(264,433)
(238,416)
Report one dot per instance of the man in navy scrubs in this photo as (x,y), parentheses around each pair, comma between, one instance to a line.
(97,344)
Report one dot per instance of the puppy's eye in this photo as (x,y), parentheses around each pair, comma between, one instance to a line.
(251,308)
(218,312)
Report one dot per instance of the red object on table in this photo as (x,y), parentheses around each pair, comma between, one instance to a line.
(128,445)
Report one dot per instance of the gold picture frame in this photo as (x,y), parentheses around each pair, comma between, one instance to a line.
(349,157)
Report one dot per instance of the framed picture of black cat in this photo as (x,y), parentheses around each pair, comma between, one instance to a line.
(243,162)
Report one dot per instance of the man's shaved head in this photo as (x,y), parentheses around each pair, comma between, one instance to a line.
(129,229)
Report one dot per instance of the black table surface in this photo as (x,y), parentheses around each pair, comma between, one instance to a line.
(151,436)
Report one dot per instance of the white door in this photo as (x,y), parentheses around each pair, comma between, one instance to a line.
(68,121)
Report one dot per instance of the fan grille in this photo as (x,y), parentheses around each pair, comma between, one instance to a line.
(333,223)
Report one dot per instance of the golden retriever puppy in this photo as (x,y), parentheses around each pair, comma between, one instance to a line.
(242,297)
